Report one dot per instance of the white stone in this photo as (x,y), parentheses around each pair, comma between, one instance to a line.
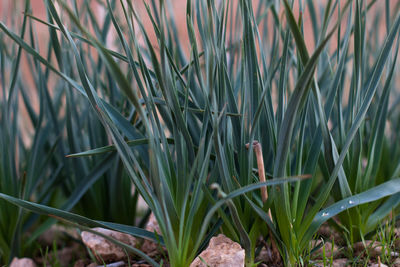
(152,225)
(23,262)
(221,252)
(106,250)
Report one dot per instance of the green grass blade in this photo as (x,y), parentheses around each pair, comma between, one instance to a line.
(386,189)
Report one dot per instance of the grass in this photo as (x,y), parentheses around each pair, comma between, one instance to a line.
(40,171)
(323,122)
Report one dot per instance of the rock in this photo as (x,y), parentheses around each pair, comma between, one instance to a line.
(221,252)
(23,262)
(105,250)
(328,249)
(374,248)
(149,247)
(152,225)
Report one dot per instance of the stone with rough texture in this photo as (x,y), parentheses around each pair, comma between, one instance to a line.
(152,224)
(106,250)
(23,262)
(221,252)
(151,248)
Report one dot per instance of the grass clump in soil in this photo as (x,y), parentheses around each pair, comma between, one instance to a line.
(264,121)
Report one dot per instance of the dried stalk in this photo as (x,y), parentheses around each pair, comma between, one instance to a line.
(261,170)
(264,193)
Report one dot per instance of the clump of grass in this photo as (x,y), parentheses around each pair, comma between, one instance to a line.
(41,122)
(186,118)
(29,167)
